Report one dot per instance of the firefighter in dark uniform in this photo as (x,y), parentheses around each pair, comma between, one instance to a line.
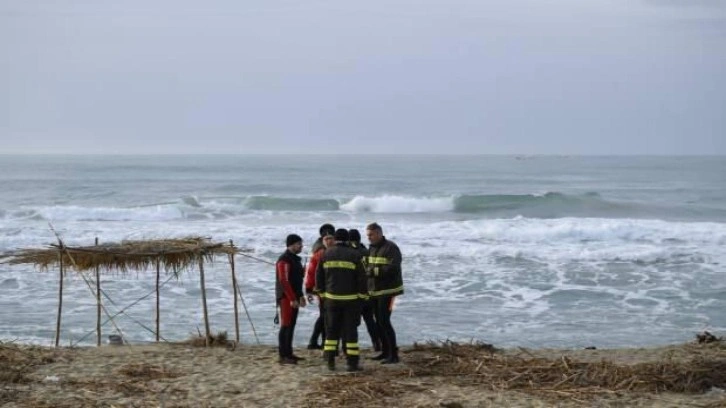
(385,282)
(367,306)
(341,281)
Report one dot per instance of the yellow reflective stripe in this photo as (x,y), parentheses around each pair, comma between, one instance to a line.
(386,291)
(364,297)
(339,264)
(377,260)
(351,345)
(329,348)
(329,342)
(340,297)
(352,352)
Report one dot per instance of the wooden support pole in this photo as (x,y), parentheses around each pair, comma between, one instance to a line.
(98,304)
(234,291)
(204,299)
(157,298)
(60,298)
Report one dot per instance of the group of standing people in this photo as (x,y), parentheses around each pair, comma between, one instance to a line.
(350,282)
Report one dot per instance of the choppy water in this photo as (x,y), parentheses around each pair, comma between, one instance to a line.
(517,251)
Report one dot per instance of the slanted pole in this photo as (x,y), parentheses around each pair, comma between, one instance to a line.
(234,291)
(157,299)
(204,299)
(60,297)
(98,304)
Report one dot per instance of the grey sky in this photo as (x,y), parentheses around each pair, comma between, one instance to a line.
(457,76)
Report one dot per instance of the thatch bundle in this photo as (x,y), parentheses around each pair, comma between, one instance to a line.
(173,255)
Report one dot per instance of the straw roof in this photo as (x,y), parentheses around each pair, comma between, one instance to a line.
(173,255)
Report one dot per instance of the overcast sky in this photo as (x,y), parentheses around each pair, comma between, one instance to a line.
(374,76)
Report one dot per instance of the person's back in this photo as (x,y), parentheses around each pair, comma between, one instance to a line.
(341,281)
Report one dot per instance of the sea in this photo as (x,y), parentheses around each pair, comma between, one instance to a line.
(514,251)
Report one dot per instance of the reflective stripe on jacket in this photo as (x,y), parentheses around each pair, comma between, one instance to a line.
(340,275)
(383,268)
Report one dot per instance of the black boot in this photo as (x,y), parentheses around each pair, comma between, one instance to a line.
(393,358)
(379,357)
(330,357)
(353,364)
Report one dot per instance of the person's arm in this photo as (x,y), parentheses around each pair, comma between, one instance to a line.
(310,273)
(320,277)
(362,280)
(392,263)
(283,275)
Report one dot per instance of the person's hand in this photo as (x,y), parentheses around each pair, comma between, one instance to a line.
(302,301)
(369,270)
(294,304)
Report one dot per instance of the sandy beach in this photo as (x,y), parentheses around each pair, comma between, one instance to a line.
(431,375)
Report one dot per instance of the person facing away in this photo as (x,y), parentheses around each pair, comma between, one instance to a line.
(341,281)
(319,327)
(288,290)
(385,282)
(366,305)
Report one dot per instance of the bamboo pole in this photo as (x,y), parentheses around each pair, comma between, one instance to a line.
(98,304)
(204,298)
(157,299)
(234,291)
(60,298)
(62,247)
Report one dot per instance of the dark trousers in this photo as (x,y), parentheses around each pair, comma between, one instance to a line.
(288,319)
(368,316)
(341,320)
(382,311)
(319,327)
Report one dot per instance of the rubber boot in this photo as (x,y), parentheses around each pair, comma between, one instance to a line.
(330,357)
(353,364)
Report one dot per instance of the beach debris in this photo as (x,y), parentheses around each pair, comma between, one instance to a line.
(707,337)
(147,371)
(558,378)
(218,340)
(115,340)
(591,348)
(51,378)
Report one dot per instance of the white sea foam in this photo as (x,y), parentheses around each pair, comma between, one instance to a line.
(398,204)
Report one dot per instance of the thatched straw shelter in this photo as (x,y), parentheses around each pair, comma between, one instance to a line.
(171,255)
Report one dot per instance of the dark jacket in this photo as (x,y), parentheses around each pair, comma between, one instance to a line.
(289,273)
(340,276)
(362,249)
(384,269)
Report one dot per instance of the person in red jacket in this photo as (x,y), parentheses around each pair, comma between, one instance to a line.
(319,328)
(288,290)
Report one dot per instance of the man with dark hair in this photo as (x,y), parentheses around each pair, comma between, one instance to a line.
(385,282)
(325,229)
(288,290)
(319,326)
(367,306)
(341,281)
(316,253)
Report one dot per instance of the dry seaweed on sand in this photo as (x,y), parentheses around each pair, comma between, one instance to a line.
(143,371)
(218,340)
(564,377)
